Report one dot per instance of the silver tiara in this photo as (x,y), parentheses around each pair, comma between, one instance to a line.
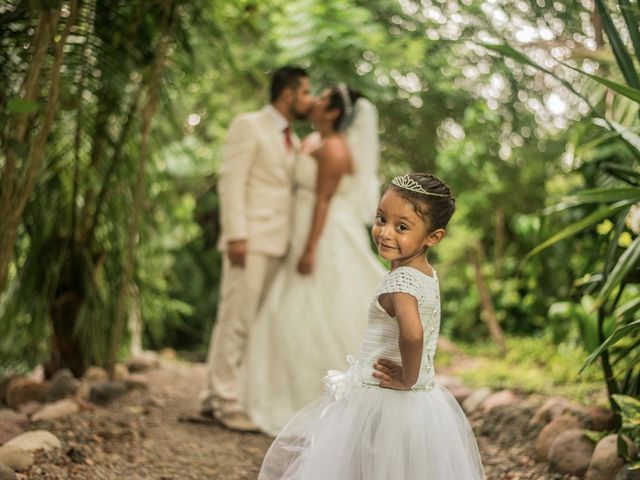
(343,90)
(407,183)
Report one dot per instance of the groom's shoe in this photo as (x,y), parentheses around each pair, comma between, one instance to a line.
(239,422)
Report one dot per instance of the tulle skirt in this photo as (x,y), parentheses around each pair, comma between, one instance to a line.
(376,434)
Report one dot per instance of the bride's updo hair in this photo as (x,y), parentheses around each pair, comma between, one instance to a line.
(344,99)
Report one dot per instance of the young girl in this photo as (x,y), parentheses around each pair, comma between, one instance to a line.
(384,418)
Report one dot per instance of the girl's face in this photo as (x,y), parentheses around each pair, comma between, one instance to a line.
(399,232)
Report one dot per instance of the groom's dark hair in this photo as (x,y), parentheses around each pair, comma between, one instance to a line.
(286,77)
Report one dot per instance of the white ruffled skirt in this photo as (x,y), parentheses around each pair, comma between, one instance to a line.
(359,432)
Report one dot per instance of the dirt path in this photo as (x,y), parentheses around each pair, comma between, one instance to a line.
(139,437)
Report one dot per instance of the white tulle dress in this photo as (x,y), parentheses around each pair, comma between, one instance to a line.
(360,431)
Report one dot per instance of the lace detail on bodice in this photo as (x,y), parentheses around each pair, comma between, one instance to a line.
(402,280)
(382,334)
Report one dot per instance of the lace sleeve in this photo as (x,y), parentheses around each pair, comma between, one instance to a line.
(402,280)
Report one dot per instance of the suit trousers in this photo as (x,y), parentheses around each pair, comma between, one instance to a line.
(242,292)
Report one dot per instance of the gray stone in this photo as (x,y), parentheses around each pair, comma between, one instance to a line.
(167,353)
(600,419)
(473,401)
(551,431)
(16,458)
(503,397)
(136,381)
(35,440)
(53,411)
(120,371)
(460,393)
(626,474)
(8,430)
(63,385)
(8,415)
(7,473)
(29,408)
(102,393)
(37,374)
(554,407)
(447,381)
(96,375)
(147,360)
(605,462)
(4,384)
(571,453)
(22,390)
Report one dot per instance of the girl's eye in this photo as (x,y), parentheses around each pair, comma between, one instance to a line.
(401,227)
(379,219)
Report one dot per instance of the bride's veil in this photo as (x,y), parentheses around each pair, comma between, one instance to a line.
(362,135)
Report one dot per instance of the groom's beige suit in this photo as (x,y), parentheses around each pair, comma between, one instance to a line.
(255,188)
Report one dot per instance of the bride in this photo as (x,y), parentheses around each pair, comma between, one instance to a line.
(316,310)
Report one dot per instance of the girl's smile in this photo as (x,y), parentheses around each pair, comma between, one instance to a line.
(399,233)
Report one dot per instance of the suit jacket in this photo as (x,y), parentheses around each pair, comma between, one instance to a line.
(256,184)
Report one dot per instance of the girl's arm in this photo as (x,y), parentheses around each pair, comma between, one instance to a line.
(333,162)
(405,308)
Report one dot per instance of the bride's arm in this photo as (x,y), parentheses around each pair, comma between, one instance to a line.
(333,162)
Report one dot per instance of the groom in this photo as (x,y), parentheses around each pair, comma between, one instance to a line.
(255,188)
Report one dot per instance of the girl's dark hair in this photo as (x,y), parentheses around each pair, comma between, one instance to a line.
(284,77)
(435,210)
(336,102)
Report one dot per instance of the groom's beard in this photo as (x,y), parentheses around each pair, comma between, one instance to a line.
(296,113)
(300,115)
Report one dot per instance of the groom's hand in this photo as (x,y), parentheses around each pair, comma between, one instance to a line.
(237,252)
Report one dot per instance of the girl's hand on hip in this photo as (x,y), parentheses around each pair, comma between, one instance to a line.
(390,375)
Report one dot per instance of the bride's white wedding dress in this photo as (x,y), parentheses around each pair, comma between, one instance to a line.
(310,323)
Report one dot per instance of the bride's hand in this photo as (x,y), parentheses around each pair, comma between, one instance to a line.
(306,263)
(390,374)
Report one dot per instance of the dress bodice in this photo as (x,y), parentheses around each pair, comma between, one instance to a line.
(382,334)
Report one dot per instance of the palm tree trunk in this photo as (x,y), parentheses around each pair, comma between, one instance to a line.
(16,194)
(488,311)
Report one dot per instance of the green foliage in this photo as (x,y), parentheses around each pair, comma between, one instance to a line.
(613,197)
(533,364)
(630,413)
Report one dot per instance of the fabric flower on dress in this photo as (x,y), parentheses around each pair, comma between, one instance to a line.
(341,383)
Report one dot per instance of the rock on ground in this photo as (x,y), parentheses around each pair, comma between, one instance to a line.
(474,401)
(503,397)
(35,440)
(605,462)
(23,390)
(8,430)
(16,458)
(8,415)
(138,436)
(6,472)
(571,452)
(63,385)
(53,411)
(550,432)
